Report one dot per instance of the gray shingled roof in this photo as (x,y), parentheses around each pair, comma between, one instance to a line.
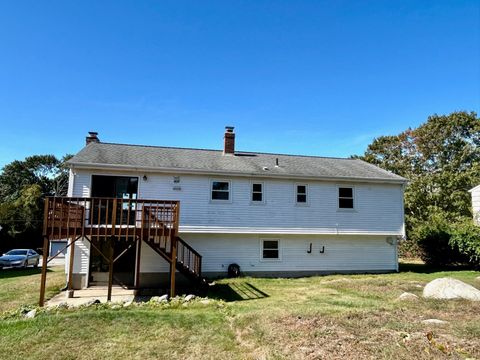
(151,158)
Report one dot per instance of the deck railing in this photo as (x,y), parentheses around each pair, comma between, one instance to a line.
(99,219)
(189,257)
(102,218)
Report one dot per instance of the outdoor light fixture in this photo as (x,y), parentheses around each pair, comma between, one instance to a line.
(145,178)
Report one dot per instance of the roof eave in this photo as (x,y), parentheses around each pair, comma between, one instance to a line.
(99,166)
(475,188)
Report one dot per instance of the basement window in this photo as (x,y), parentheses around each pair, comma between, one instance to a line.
(345,198)
(220,191)
(257,193)
(301,195)
(270,250)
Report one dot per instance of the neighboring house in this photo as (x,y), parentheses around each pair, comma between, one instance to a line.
(272,214)
(476,203)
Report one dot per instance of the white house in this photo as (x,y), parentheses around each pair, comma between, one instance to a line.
(475,192)
(272,214)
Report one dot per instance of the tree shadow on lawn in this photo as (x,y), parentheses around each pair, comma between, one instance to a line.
(13,272)
(236,292)
(421,268)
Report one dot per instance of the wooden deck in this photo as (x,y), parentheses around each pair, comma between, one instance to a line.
(115,219)
(106,217)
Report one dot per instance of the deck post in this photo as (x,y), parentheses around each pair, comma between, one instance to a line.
(173,266)
(71,259)
(137,264)
(110,269)
(43,281)
(112,242)
(46,244)
(173,253)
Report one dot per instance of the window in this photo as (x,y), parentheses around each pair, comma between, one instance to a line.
(257,192)
(301,194)
(114,186)
(345,197)
(221,190)
(270,249)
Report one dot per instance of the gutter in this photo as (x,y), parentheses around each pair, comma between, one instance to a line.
(98,166)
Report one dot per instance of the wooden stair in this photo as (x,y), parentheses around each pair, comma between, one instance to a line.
(188,260)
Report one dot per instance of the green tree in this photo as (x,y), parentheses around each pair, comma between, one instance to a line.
(23,186)
(441,160)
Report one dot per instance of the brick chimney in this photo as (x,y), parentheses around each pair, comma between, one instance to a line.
(92,137)
(229,141)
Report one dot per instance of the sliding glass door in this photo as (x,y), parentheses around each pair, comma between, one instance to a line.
(109,187)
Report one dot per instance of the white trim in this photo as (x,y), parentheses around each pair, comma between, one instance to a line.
(262,259)
(220,201)
(402,211)
(396,255)
(354,209)
(307,195)
(71,180)
(475,188)
(279,231)
(231,173)
(251,193)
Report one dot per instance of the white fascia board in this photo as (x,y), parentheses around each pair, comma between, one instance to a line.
(475,188)
(117,167)
(280,231)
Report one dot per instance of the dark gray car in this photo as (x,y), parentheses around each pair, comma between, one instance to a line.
(19,258)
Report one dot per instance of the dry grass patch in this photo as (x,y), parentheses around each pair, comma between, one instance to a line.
(324,317)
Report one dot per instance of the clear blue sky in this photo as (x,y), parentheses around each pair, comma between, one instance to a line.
(305,77)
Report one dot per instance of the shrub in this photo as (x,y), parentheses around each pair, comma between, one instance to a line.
(465,236)
(409,249)
(433,238)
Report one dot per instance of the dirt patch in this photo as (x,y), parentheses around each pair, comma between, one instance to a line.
(363,336)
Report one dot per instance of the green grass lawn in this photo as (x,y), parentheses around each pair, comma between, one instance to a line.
(20,287)
(327,317)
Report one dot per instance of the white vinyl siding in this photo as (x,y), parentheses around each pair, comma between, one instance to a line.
(81,184)
(378,207)
(341,253)
(82,257)
(232,232)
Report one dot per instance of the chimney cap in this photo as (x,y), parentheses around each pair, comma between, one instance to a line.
(92,137)
(229,129)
